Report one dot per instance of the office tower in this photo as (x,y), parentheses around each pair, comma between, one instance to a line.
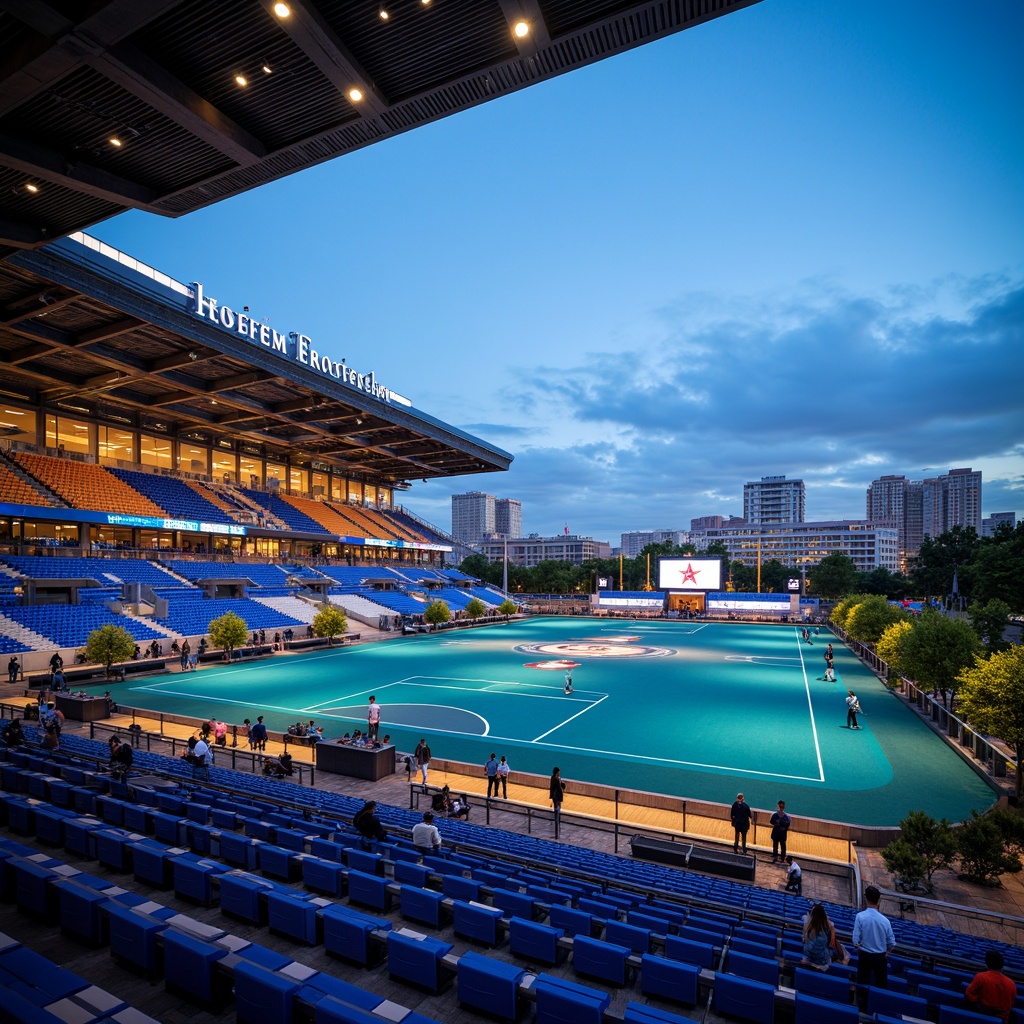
(774,500)
(508,517)
(472,516)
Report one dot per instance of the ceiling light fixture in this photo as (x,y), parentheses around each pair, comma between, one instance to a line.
(521,29)
(355,95)
(29,187)
(383,14)
(241,80)
(267,69)
(282,10)
(115,142)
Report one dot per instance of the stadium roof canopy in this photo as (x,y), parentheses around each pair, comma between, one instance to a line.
(170,105)
(87,332)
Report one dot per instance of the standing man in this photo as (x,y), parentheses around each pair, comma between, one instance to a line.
(568,681)
(186,650)
(556,790)
(12,670)
(373,718)
(873,937)
(258,735)
(740,815)
(491,771)
(425,836)
(780,822)
(503,770)
(852,710)
(422,755)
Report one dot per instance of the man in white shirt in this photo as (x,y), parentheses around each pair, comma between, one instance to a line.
(425,836)
(794,877)
(372,719)
(203,759)
(873,937)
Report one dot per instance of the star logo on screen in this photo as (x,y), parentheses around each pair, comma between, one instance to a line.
(690,575)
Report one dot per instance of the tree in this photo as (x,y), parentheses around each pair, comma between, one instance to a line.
(330,621)
(906,866)
(933,841)
(869,619)
(892,585)
(941,558)
(992,700)
(888,648)
(834,576)
(476,566)
(937,650)
(507,608)
(990,621)
(989,846)
(997,570)
(775,577)
(108,644)
(475,608)
(228,632)
(437,613)
(841,612)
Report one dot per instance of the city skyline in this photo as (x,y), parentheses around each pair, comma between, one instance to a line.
(787,239)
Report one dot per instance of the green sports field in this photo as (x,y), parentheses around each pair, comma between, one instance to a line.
(686,708)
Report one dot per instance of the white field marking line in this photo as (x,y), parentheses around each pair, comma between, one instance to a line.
(810,709)
(671,761)
(759,659)
(568,720)
(222,700)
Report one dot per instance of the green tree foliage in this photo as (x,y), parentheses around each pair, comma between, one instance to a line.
(940,557)
(888,648)
(775,577)
(228,632)
(834,576)
(437,613)
(475,608)
(108,644)
(477,566)
(990,621)
(869,619)
(507,608)
(742,577)
(892,585)
(937,650)
(997,571)
(933,841)
(906,866)
(841,612)
(330,621)
(989,845)
(992,699)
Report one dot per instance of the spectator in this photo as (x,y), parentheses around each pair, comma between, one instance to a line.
(13,735)
(460,808)
(246,732)
(503,770)
(220,733)
(491,771)
(794,876)
(442,802)
(368,825)
(780,822)
(13,667)
(422,755)
(556,791)
(740,815)
(258,735)
(373,718)
(201,759)
(991,991)
(425,836)
(819,934)
(873,937)
(121,758)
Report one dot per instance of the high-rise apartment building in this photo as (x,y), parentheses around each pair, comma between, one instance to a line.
(508,517)
(991,523)
(472,516)
(774,500)
(636,540)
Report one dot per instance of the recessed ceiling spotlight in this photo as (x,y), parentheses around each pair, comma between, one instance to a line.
(267,69)
(383,13)
(29,187)
(241,80)
(282,10)
(355,95)
(115,142)
(521,29)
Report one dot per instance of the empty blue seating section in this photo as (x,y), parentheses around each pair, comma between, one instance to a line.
(8,645)
(189,613)
(275,576)
(69,625)
(174,496)
(295,519)
(106,571)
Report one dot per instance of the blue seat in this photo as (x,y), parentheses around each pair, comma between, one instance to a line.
(238,851)
(82,912)
(936,996)
(822,986)
(362,860)
(320,986)
(514,904)
(669,979)
(417,960)
(535,941)
(153,863)
(743,998)
(33,889)
(489,985)
(133,936)
(560,1001)
(262,996)
(702,954)
(572,922)
(50,825)
(457,887)
(640,1013)
(894,1004)
(349,934)
(193,879)
(293,916)
(369,891)
(951,1015)
(412,874)
(324,876)
(113,848)
(606,961)
(765,950)
(423,905)
(78,836)
(277,862)
(478,923)
(290,839)
(188,968)
(753,967)
(810,1010)
(636,938)
(170,828)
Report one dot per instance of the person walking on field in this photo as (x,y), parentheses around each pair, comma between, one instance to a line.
(373,719)
(740,815)
(556,790)
(422,755)
(852,710)
(780,822)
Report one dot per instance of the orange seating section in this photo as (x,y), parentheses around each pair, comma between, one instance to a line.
(365,523)
(86,485)
(326,516)
(16,491)
(211,496)
(403,532)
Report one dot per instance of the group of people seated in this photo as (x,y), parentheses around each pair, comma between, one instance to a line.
(313,733)
(363,739)
(450,807)
(278,768)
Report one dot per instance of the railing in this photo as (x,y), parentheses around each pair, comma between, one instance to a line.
(241,760)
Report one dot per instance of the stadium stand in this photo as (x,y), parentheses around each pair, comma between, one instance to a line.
(277,506)
(173,495)
(189,613)
(109,571)
(68,625)
(85,485)
(18,491)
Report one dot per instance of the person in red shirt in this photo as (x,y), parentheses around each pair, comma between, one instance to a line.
(992,991)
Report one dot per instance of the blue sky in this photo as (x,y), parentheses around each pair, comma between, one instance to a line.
(790,241)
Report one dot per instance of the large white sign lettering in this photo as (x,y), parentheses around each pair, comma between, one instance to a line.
(294,345)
